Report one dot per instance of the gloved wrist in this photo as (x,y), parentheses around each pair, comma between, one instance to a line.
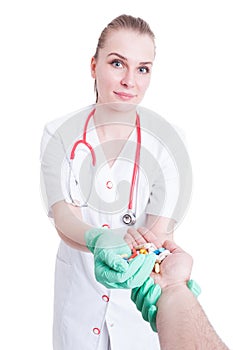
(194,287)
(147,296)
(91,237)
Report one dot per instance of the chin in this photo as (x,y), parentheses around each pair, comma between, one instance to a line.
(119,106)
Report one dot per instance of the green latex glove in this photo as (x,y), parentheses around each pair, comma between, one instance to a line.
(146,297)
(111,269)
(91,237)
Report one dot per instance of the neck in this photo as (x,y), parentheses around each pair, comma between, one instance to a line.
(114,121)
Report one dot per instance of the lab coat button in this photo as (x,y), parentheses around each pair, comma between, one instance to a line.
(96,331)
(109,184)
(105,298)
(106,226)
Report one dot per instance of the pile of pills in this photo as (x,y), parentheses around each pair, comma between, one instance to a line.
(148,248)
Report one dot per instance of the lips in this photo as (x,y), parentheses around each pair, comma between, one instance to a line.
(124,95)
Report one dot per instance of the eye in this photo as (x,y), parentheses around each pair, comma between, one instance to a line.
(144,70)
(117,63)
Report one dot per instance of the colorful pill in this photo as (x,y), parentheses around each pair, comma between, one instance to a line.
(161,249)
(157,252)
(163,255)
(157,268)
(124,256)
(147,245)
(138,247)
(134,254)
(160,258)
(143,251)
(148,248)
(151,248)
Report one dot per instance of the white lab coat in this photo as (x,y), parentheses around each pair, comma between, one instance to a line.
(88,316)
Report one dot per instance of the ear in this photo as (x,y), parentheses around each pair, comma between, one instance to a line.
(93,67)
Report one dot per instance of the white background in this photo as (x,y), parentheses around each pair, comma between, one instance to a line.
(46,47)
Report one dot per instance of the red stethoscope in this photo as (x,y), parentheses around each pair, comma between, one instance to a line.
(128,218)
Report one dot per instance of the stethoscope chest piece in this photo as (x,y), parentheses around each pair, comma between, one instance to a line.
(129,218)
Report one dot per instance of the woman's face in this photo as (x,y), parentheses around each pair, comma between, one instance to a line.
(123,67)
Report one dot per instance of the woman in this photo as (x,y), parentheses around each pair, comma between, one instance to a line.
(99,166)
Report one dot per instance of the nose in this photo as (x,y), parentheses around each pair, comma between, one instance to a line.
(128,80)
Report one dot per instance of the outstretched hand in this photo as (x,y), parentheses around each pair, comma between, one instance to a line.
(111,269)
(176,268)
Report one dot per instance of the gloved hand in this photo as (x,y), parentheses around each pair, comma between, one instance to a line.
(110,268)
(146,297)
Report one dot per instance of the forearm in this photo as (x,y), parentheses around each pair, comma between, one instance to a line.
(70,226)
(161,227)
(182,323)
(71,243)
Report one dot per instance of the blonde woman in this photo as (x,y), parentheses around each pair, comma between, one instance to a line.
(106,178)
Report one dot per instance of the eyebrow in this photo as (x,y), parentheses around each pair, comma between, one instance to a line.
(124,58)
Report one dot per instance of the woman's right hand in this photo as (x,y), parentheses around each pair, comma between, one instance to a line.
(111,269)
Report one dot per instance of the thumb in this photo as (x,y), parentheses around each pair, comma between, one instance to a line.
(113,260)
(172,246)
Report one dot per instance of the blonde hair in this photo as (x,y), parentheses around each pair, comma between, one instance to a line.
(123,22)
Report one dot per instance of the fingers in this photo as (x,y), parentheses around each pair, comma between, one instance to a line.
(142,235)
(145,296)
(129,240)
(113,260)
(137,272)
(172,246)
(145,299)
(151,298)
(105,274)
(152,312)
(149,236)
(138,294)
(134,238)
(142,272)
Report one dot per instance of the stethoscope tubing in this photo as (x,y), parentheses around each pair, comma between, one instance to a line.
(136,163)
(136,160)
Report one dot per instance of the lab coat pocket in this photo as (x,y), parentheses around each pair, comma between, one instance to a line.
(62,290)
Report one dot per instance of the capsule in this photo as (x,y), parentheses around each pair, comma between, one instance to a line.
(134,254)
(157,268)
(143,251)
(140,246)
(156,251)
(161,249)
(163,255)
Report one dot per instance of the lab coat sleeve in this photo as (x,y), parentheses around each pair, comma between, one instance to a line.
(171,178)
(52,156)
(164,192)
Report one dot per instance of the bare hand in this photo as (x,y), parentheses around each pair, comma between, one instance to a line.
(140,236)
(175,268)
